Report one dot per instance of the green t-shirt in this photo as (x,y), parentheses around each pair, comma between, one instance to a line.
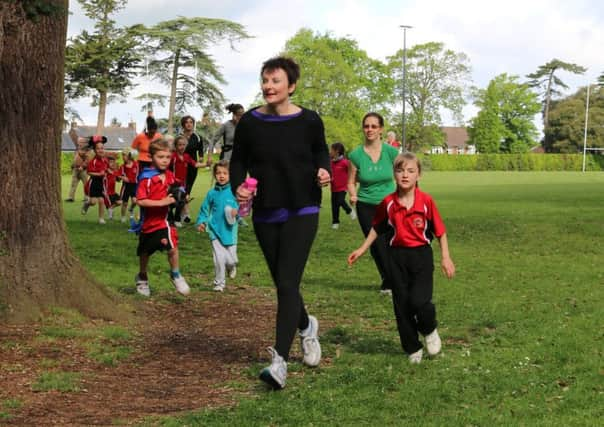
(376,180)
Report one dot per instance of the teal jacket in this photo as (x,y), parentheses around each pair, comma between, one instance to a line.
(211,213)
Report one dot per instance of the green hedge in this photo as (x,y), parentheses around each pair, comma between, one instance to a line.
(512,162)
(66,160)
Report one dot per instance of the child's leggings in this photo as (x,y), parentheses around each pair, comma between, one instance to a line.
(338,199)
(224,257)
(286,247)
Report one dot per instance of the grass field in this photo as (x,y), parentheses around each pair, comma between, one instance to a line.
(521,322)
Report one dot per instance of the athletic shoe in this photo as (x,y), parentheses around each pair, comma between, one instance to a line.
(309,338)
(353,214)
(275,374)
(386,291)
(335,226)
(218,287)
(415,358)
(187,219)
(142,286)
(177,224)
(101,221)
(232,271)
(181,285)
(124,219)
(433,343)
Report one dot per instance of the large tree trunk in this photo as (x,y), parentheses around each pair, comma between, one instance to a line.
(172,106)
(37,266)
(100,121)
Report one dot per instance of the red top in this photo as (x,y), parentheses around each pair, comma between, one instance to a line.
(395,144)
(413,227)
(98,165)
(155,188)
(129,172)
(178,165)
(110,181)
(339,174)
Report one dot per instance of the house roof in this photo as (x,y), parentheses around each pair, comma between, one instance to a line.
(455,137)
(117,137)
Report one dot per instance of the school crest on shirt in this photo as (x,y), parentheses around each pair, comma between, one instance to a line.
(418,222)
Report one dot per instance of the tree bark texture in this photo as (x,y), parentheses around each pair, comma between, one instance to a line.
(37,267)
(172,106)
(100,122)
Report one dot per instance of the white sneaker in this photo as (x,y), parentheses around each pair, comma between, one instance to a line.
(123,219)
(353,214)
(178,224)
(218,287)
(335,226)
(309,339)
(275,374)
(433,343)
(101,221)
(232,271)
(142,286)
(416,357)
(181,285)
(386,291)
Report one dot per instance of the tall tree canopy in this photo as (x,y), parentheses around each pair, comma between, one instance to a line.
(38,270)
(505,120)
(565,133)
(338,80)
(178,47)
(102,63)
(548,83)
(437,78)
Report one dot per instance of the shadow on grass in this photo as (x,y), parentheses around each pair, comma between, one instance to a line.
(361,342)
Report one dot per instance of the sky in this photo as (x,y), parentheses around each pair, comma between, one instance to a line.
(513,36)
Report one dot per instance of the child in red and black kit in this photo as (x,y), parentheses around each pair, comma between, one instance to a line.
(112,199)
(411,217)
(157,234)
(339,180)
(128,173)
(178,166)
(97,168)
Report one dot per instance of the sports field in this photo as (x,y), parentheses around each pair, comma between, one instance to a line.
(521,322)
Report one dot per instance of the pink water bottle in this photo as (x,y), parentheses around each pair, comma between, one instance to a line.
(245,207)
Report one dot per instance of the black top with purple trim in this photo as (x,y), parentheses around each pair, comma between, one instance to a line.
(284,154)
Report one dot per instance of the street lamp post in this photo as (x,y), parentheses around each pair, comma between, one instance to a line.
(404,27)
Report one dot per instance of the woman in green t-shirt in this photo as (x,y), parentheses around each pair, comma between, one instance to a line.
(371,168)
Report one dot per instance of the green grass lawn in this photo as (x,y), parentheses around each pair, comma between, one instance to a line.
(521,322)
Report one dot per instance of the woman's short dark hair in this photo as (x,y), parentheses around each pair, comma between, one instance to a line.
(379,118)
(233,108)
(338,147)
(291,68)
(151,124)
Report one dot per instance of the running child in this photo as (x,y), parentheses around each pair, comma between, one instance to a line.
(178,166)
(218,216)
(339,181)
(97,168)
(111,199)
(411,217)
(156,233)
(128,173)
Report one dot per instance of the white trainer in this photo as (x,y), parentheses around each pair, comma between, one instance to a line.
(275,374)
(335,226)
(416,357)
(433,343)
(232,271)
(101,221)
(178,224)
(181,285)
(142,286)
(219,287)
(309,339)
(123,220)
(353,214)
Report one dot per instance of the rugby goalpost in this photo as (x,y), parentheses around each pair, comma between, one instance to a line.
(585,148)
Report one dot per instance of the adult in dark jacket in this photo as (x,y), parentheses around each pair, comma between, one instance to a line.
(283,146)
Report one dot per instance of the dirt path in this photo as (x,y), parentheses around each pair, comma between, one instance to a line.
(186,355)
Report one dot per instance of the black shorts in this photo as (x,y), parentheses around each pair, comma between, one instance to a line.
(113,199)
(128,191)
(96,187)
(160,240)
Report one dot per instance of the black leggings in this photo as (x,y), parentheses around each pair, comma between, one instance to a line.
(338,199)
(379,248)
(286,247)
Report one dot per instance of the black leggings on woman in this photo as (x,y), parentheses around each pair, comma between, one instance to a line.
(286,247)
(379,248)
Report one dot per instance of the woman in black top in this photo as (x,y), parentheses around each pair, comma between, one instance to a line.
(283,146)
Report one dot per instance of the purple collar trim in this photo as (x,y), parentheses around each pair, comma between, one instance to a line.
(280,215)
(275,118)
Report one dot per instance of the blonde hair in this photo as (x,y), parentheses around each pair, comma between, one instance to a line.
(405,157)
(158,145)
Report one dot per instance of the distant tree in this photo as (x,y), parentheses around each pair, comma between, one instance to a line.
(339,81)
(567,122)
(437,78)
(38,269)
(505,120)
(545,80)
(115,122)
(151,100)
(104,62)
(176,47)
